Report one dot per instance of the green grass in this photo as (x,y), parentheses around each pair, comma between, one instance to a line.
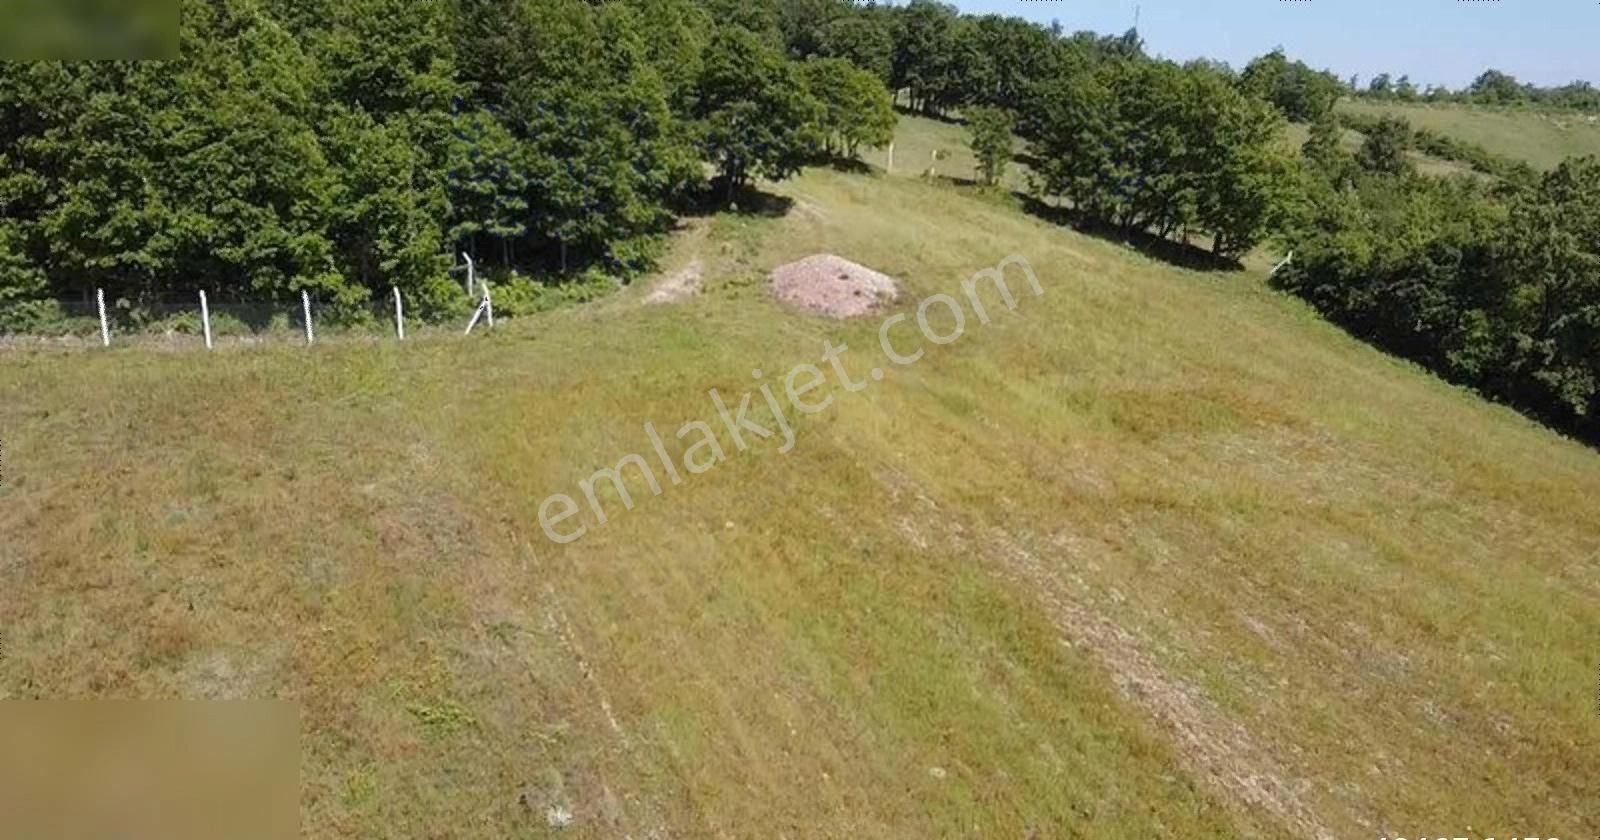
(1158,554)
(918,138)
(1296,134)
(1543,139)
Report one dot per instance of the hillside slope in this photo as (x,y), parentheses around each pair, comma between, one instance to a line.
(1158,554)
(1543,139)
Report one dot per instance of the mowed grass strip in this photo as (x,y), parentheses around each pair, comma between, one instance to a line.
(1159,553)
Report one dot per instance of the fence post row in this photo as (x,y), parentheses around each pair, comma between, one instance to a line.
(105,328)
(399,315)
(205,317)
(305,304)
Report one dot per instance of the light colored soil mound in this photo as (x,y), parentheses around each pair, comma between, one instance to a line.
(678,286)
(833,286)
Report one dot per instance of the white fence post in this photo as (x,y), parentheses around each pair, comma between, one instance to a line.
(305,305)
(488,303)
(1286,261)
(399,315)
(890,168)
(471,272)
(205,317)
(105,328)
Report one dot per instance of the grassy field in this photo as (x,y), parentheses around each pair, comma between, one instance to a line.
(1542,139)
(918,138)
(1158,554)
(1296,134)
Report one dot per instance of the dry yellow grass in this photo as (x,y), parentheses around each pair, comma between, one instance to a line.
(1158,554)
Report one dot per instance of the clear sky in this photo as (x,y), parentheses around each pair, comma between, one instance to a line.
(1547,42)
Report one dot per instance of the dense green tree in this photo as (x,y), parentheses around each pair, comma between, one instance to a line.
(1325,141)
(22,281)
(865,40)
(1552,250)
(925,52)
(856,110)
(603,151)
(1404,90)
(1495,288)
(1385,146)
(990,141)
(1302,94)
(674,34)
(805,24)
(1246,177)
(756,118)
(1150,147)
(1496,88)
(1012,58)
(488,182)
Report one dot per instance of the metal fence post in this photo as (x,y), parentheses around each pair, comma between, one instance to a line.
(105,328)
(305,305)
(399,315)
(205,317)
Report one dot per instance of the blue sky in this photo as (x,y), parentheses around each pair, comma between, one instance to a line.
(1435,41)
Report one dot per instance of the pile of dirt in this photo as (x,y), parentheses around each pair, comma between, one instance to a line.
(833,286)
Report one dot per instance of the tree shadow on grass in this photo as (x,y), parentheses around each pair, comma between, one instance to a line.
(747,200)
(848,165)
(947,119)
(1172,252)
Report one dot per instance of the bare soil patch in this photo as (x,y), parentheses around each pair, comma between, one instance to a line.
(685,283)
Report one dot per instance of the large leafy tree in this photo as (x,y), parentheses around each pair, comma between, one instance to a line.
(755,116)
(1552,249)
(1246,179)
(991,142)
(925,58)
(864,39)
(488,182)
(1301,93)
(1384,149)
(856,110)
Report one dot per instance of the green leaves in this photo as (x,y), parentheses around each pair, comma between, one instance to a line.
(755,117)
(1501,295)
(1150,147)
(991,142)
(856,110)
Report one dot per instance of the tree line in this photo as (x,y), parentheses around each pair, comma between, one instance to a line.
(1493,284)
(1491,87)
(347,146)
